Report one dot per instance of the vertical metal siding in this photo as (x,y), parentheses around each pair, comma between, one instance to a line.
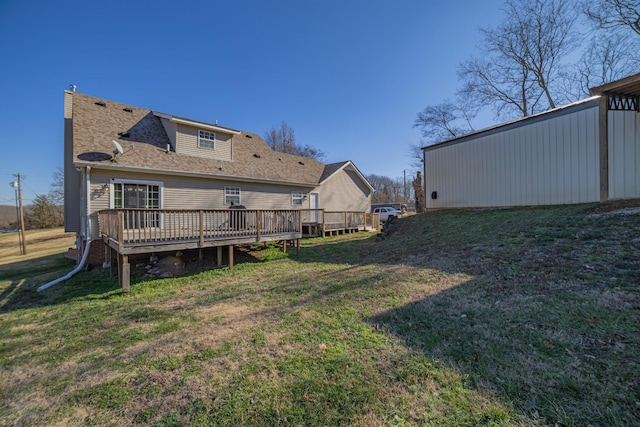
(624,154)
(547,161)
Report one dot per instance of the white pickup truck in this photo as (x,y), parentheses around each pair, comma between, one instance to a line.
(386,212)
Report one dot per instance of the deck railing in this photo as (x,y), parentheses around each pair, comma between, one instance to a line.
(164,225)
(339,220)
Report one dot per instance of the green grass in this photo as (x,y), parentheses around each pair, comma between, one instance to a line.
(510,317)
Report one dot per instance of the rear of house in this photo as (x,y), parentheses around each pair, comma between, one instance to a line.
(172,163)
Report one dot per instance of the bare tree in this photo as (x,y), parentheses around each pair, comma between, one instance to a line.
(522,59)
(444,121)
(56,188)
(56,196)
(614,14)
(387,190)
(283,139)
(607,57)
(439,123)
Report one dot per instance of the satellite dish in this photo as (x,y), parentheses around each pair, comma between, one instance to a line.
(118,149)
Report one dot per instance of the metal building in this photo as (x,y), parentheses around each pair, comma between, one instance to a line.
(587,151)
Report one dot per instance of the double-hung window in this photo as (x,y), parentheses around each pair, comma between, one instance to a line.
(206,139)
(231,195)
(296,198)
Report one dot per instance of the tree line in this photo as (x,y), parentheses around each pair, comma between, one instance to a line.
(45,211)
(545,53)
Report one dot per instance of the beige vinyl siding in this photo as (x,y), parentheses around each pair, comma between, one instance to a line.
(551,160)
(624,154)
(187,143)
(344,191)
(99,197)
(171,129)
(192,193)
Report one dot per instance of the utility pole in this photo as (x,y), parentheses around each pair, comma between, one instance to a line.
(23,243)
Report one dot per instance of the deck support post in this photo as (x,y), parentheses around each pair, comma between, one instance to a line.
(297,246)
(284,246)
(124,272)
(112,267)
(200,254)
(231,257)
(219,256)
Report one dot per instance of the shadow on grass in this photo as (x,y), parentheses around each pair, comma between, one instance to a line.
(25,277)
(548,320)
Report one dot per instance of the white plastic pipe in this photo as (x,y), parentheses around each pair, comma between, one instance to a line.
(72,272)
(85,255)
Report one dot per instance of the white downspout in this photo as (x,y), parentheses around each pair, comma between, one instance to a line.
(85,255)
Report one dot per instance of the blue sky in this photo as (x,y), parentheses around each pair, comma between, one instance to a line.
(348,75)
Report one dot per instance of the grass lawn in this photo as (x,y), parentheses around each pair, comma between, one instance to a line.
(510,317)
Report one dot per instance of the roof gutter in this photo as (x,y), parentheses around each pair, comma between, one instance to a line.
(193,174)
(564,109)
(197,124)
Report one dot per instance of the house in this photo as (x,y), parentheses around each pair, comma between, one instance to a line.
(587,151)
(119,157)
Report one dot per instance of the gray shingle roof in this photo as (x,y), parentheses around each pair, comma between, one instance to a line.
(96,122)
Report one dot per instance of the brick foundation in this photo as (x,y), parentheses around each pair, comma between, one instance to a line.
(96,253)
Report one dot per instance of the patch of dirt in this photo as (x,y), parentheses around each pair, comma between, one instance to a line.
(391,226)
(183,263)
(615,205)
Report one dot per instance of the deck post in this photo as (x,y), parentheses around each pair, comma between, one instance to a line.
(258,225)
(230,257)
(124,272)
(112,267)
(297,246)
(284,246)
(201,232)
(219,256)
(120,230)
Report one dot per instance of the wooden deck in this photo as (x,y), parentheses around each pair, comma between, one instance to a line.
(320,223)
(126,232)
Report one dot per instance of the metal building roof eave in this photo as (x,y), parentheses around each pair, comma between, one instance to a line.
(559,111)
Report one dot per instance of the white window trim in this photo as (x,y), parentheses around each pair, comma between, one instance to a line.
(224,195)
(113,181)
(301,198)
(213,140)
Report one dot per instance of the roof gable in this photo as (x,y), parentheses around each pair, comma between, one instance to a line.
(96,122)
(333,168)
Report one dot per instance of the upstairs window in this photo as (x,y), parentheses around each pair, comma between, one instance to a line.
(296,198)
(231,195)
(206,139)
